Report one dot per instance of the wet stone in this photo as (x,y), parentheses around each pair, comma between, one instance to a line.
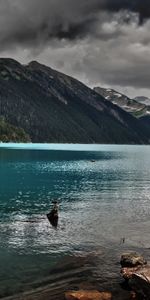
(87,295)
(140,282)
(132,259)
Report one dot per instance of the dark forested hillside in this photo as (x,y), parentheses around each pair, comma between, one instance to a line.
(53,107)
(11,133)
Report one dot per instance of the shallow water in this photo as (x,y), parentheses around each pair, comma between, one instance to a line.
(104,195)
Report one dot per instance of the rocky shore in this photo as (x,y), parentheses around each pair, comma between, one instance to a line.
(136,273)
(79,281)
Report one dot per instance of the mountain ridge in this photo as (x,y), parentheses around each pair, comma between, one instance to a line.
(53,107)
(136,106)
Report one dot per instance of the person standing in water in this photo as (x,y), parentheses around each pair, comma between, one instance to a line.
(55,206)
(53,215)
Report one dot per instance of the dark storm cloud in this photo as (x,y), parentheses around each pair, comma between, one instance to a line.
(102,42)
(25,22)
(142,7)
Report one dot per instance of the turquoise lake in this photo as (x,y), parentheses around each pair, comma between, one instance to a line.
(104,196)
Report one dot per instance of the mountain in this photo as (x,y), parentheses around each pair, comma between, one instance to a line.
(53,107)
(134,106)
(145,120)
(143,100)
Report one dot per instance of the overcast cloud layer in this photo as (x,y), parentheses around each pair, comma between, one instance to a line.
(101,42)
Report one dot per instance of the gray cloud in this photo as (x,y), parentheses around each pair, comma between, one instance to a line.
(103,42)
(25,22)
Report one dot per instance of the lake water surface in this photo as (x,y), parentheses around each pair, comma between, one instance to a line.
(104,195)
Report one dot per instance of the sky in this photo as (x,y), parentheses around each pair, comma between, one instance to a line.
(100,42)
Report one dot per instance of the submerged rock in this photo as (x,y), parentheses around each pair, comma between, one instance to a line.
(87,295)
(132,259)
(133,296)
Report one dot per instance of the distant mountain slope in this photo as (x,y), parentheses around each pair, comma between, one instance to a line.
(143,100)
(135,106)
(53,107)
(145,120)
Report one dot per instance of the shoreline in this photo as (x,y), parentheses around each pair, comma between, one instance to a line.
(76,273)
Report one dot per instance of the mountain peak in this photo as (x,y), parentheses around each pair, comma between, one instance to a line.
(9,62)
(35,65)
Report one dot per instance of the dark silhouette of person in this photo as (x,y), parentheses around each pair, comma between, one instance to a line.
(53,215)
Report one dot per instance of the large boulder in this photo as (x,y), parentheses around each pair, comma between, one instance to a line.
(133,296)
(132,259)
(128,272)
(87,295)
(137,272)
(140,282)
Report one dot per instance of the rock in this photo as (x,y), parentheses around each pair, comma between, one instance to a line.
(132,259)
(137,273)
(87,295)
(133,296)
(128,272)
(140,282)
